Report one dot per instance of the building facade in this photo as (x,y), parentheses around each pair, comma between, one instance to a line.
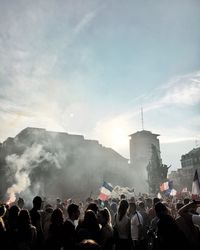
(141,144)
(59,164)
(183,177)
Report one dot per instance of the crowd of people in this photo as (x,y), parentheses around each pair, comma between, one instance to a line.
(137,223)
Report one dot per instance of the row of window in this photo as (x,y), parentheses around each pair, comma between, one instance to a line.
(191,161)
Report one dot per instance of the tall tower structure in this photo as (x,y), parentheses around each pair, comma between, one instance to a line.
(140,155)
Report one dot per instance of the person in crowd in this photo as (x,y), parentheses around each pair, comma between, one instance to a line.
(69,230)
(12,226)
(146,222)
(178,206)
(55,240)
(122,227)
(188,211)
(106,231)
(82,212)
(131,209)
(20,203)
(148,203)
(132,199)
(189,222)
(137,235)
(46,219)
(89,228)
(36,220)
(27,233)
(90,206)
(12,218)
(152,212)
(59,204)
(168,234)
(113,210)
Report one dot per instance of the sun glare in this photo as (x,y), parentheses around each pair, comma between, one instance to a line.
(119,138)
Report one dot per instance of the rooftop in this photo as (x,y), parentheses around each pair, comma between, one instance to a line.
(144,132)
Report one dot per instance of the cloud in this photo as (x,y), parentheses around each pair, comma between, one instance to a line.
(87,19)
(183,90)
(159,107)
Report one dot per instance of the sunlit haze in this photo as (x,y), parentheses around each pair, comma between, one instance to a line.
(87,67)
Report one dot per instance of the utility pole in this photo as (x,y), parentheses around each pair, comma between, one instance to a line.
(142,118)
(196,143)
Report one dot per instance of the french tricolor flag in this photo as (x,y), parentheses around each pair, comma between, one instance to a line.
(105,191)
(195,186)
(166,186)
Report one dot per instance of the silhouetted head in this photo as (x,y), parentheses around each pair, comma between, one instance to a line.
(24,218)
(93,206)
(90,220)
(122,196)
(123,207)
(14,212)
(57,217)
(186,201)
(132,208)
(88,245)
(132,199)
(149,202)
(73,211)
(141,205)
(20,202)
(160,209)
(114,207)
(37,202)
(104,217)
(48,208)
(155,200)
(58,200)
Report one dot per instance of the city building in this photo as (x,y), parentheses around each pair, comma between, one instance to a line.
(59,164)
(145,159)
(141,147)
(183,177)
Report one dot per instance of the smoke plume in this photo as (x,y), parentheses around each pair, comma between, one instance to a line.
(23,165)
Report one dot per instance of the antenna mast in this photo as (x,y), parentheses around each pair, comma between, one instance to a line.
(142,118)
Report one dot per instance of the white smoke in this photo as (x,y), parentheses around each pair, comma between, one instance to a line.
(23,165)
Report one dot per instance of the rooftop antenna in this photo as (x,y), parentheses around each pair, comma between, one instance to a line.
(142,118)
(196,143)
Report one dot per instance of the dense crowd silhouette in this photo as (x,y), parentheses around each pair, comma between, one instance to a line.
(138,223)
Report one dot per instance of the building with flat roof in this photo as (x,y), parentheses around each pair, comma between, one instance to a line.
(141,154)
(140,147)
(59,164)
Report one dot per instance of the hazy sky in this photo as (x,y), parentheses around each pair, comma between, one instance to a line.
(87,67)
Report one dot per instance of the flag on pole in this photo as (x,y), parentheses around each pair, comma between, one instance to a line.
(166,186)
(195,186)
(105,191)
